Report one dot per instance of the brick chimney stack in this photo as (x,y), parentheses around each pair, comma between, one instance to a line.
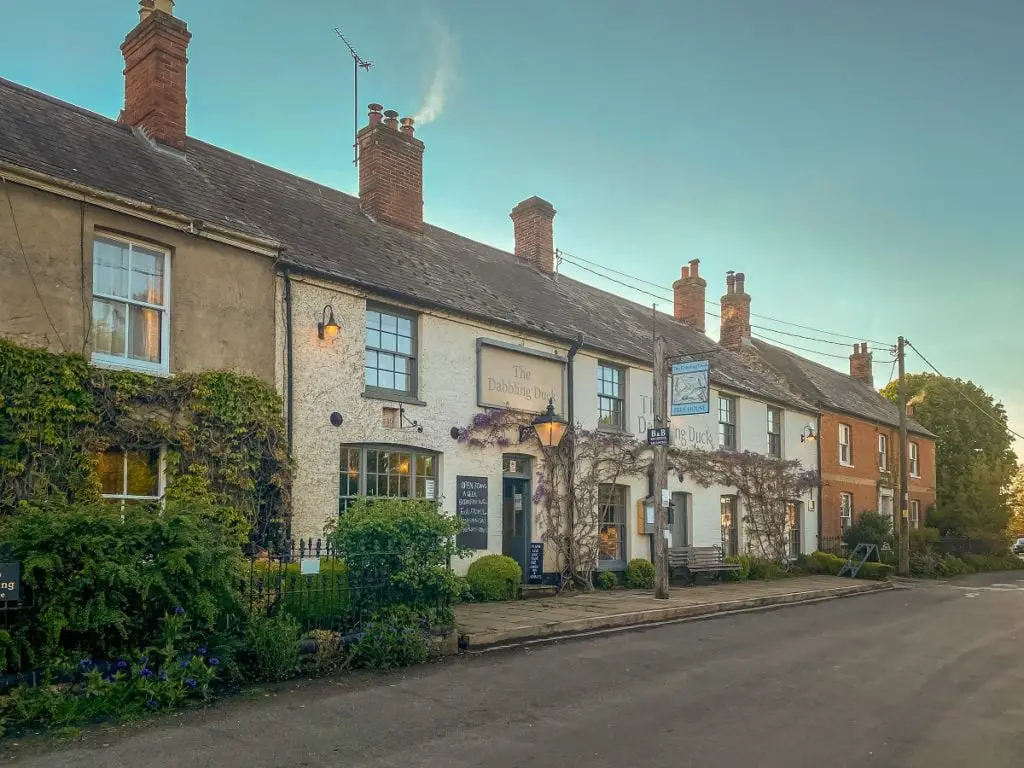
(689,293)
(154,73)
(735,328)
(391,170)
(860,365)
(533,223)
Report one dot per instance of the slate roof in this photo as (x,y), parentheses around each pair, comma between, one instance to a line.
(833,390)
(324,232)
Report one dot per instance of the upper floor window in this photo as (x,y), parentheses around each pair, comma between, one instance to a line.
(130,287)
(387,471)
(845,445)
(131,477)
(727,422)
(915,460)
(390,351)
(775,432)
(883,452)
(610,400)
(846,510)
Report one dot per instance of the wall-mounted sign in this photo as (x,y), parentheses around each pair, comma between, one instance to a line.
(535,563)
(10,582)
(691,388)
(309,566)
(518,378)
(471,507)
(658,435)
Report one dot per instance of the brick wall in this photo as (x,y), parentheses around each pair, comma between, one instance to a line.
(689,293)
(533,224)
(391,171)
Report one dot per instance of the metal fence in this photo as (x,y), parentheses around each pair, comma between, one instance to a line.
(324,588)
(834,545)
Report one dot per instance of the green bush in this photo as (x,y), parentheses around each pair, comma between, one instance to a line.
(272,646)
(869,528)
(314,600)
(741,574)
(494,577)
(823,562)
(923,538)
(925,563)
(98,581)
(950,565)
(397,552)
(640,574)
(991,563)
(394,637)
(875,571)
(759,569)
(607,580)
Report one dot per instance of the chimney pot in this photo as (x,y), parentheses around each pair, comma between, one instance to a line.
(391,118)
(740,278)
(730,281)
(407,126)
(734,330)
(375,115)
(533,225)
(688,296)
(685,273)
(694,264)
(391,171)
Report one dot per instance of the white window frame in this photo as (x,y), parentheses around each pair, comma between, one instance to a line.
(846,461)
(780,414)
(845,510)
(915,513)
(161,479)
(723,425)
(620,398)
(123,361)
(883,452)
(914,461)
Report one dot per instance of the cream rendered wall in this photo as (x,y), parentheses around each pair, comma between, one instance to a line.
(328,377)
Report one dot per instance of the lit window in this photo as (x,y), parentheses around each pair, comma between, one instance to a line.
(915,460)
(611,504)
(384,471)
(130,286)
(846,510)
(883,453)
(610,410)
(845,445)
(730,525)
(775,432)
(131,477)
(793,523)
(390,351)
(727,422)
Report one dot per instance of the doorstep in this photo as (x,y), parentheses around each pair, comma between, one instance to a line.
(484,625)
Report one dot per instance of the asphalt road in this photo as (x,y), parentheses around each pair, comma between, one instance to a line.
(924,676)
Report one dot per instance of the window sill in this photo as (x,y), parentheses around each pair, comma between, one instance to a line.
(112,365)
(612,565)
(915,477)
(846,464)
(392,396)
(610,429)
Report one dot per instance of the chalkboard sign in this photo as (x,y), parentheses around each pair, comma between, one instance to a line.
(535,565)
(471,506)
(10,582)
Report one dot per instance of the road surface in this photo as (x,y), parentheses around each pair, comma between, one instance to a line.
(930,675)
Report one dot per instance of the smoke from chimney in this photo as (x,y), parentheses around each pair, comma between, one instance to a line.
(446,54)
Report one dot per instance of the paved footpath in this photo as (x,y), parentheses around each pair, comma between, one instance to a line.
(911,677)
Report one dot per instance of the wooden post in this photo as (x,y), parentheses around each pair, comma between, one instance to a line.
(660,471)
(904,521)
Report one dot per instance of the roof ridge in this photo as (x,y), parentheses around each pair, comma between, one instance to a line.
(32,92)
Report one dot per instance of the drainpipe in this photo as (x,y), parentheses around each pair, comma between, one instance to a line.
(288,354)
(570,414)
(821,482)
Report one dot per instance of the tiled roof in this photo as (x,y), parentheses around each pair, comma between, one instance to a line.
(833,390)
(324,231)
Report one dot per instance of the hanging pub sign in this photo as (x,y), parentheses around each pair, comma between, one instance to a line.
(10,582)
(691,388)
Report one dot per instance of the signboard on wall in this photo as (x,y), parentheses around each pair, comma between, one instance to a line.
(10,582)
(535,564)
(471,507)
(691,388)
(509,376)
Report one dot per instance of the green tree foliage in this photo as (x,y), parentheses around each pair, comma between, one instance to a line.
(974,460)
(869,528)
(1017,503)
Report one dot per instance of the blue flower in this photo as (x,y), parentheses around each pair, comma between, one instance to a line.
(190,682)
(85,665)
(153,704)
(145,672)
(213,662)
(182,663)
(179,611)
(201,650)
(122,664)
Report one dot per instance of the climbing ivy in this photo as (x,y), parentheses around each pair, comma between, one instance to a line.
(222,433)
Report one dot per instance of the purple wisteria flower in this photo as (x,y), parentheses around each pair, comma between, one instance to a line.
(179,611)
(214,661)
(191,682)
(145,672)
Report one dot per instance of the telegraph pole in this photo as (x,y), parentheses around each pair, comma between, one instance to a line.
(660,472)
(904,522)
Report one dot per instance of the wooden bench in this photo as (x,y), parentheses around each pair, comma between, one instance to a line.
(687,563)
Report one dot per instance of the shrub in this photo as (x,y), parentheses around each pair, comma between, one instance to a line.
(607,580)
(740,574)
(494,577)
(950,565)
(823,562)
(272,645)
(869,528)
(923,538)
(397,553)
(314,600)
(759,569)
(640,574)
(329,652)
(394,637)
(989,563)
(925,563)
(99,581)
(875,571)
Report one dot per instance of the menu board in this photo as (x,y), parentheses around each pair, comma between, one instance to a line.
(471,506)
(535,565)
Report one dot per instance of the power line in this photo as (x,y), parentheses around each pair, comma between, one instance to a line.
(964,394)
(802,349)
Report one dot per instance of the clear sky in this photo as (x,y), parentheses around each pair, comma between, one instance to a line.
(862,162)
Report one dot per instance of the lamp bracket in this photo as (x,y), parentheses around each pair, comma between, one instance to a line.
(405,422)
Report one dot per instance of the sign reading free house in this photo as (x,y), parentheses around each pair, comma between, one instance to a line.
(510,376)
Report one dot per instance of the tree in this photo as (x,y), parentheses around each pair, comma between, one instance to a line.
(1017,503)
(974,460)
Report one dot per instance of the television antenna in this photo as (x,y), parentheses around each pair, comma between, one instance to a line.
(358,62)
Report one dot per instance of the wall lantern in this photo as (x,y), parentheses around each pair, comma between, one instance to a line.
(328,327)
(549,427)
(807,435)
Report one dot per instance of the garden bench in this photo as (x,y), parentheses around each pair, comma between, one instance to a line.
(689,562)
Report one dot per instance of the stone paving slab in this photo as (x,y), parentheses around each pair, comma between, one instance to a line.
(483,625)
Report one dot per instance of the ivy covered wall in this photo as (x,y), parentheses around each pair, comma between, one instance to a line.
(222,434)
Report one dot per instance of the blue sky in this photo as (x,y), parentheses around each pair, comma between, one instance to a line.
(861,162)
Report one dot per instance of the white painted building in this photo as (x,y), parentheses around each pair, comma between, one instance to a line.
(373,409)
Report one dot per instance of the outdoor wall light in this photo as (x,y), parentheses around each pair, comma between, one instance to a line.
(328,327)
(549,427)
(807,435)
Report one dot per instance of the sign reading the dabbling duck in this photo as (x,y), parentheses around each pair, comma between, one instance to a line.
(691,392)
(10,582)
(518,378)
(471,507)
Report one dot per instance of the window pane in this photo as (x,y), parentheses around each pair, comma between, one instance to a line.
(147,275)
(108,327)
(404,326)
(372,465)
(372,338)
(110,268)
(373,320)
(111,471)
(425,465)
(402,382)
(388,323)
(371,377)
(144,334)
(385,362)
(401,364)
(386,380)
(405,345)
(388,341)
(143,473)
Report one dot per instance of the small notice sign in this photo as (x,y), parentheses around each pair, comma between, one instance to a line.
(309,566)
(471,506)
(535,565)
(658,436)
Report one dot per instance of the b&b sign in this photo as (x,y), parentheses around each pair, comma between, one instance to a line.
(658,436)
(10,582)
